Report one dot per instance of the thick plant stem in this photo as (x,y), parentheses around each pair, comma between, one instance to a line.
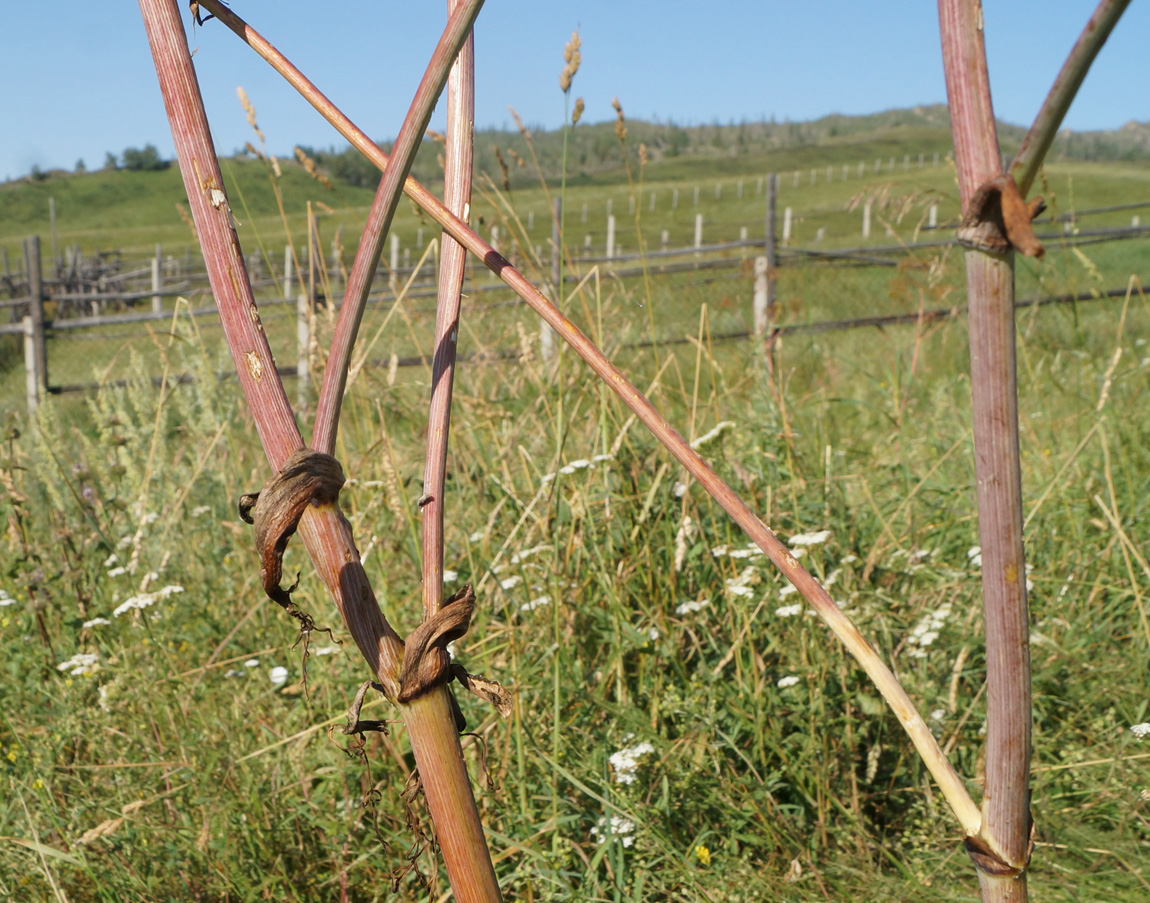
(1046,124)
(1005,832)
(453,257)
(325,532)
(949,783)
(379,221)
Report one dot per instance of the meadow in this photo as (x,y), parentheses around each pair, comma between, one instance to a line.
(683,728)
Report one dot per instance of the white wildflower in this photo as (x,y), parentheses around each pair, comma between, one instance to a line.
(325,650)
(850,559)
(740,585)
(753,552)
(720,551)
(789,611)
(1141,730)
(96,622)
(546,478)
(938,714)
(832,577)
(80,664)
(616,826)
(599,459)
(150,518)
(800,552)
(809,539)
(652,633)
(789,681)
(713,434)
(278,675)
(102,702)
(140,602)
(5,599)
(124,542)
(535,603)
(511,582)
(527,553)
(684,534)
(686,608)
(117,572)
(111,560)
(170,590)
(626,761)
(679,489)
(450,576)
(252,663)
(477,536)
(567,469)
(580,464)
(974,555)
(201,510)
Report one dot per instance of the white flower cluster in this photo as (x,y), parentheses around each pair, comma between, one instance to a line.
(96,622)
(80,664)
(713,434)
(201,510)
(789,681)
(581,464)
(751,551)
(143,600)
(800,540)
(789,611)
(5,599)
(741,585)
(537,602)
(626,761)
(1141,730)
(927,629)
(616,826)
(686,608)
(278,675)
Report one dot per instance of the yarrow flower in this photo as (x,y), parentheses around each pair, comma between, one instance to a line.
(511,582)
(5,599)
(117,572)
(1141,730)
(80,664)
(740,585)
(325,650)
(686,608)
(535,603)
(96,622)
(615,826)
(278,675)
(626,761)
(927,629)
(788,611)
(789,681)
(809,539)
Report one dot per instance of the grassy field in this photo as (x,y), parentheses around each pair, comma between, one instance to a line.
(619,603)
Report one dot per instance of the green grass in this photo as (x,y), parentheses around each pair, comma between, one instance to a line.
(227,785)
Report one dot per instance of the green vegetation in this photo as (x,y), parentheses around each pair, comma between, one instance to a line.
(620,605)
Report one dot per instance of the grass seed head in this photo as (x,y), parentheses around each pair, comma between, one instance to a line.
(620,128)
(578,113)
(309,164)
(250,111)
(572,58)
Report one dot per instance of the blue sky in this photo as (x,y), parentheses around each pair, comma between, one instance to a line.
(79,80)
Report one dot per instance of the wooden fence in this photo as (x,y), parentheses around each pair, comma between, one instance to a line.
(102,291)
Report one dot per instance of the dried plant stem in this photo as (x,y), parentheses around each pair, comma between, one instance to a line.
(949,783)
(1004,837)
(1041,135)
(453,257)
(379,221)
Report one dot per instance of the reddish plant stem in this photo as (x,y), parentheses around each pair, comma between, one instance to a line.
(453,257)
(379,221)
(1005,830)
(950,784)
(324,531)
(1046,124)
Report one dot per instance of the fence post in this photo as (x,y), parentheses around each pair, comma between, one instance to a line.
(287,272)
(787,216)
(52,228)
(666,237)
(675,199)
(157,301)
(610,235)
(303,343)
(698,230)
(765,266)
(866,220)
(36,306)
(546,334)
(933,216)
(31,378)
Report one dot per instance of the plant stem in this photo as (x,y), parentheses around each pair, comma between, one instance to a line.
(1005,831)
(459,154)
(950,784)
(379,221)
(1041,135)
(323,529)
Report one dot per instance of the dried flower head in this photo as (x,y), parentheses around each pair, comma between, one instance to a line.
(250,111)
(519,161)
(642,154)
(503,166)
(437,137)
(572,58)
(309,164)
(578,114)
(620,129)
